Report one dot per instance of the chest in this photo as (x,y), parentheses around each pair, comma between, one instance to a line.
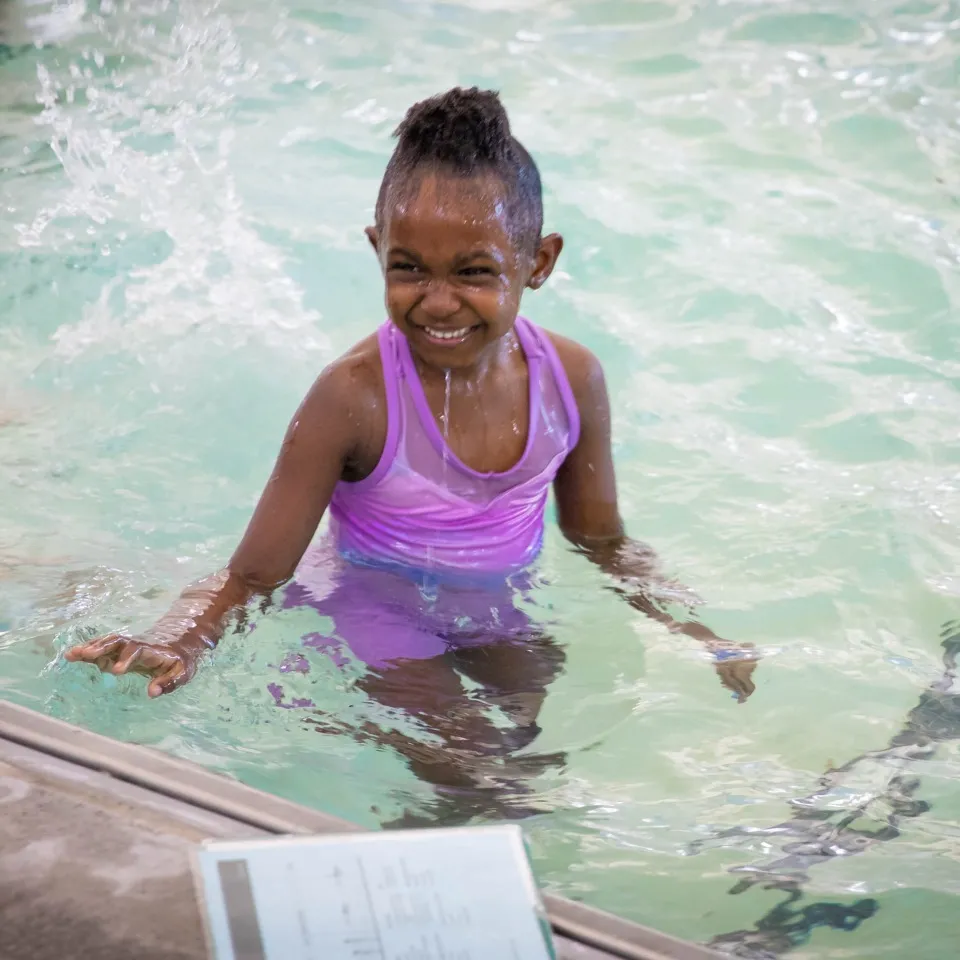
(485,426)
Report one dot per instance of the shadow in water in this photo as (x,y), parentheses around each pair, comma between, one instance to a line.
(821,829)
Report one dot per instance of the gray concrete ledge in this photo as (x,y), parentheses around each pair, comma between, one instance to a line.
(95,842)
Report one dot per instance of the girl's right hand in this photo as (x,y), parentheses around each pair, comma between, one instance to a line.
(169,665)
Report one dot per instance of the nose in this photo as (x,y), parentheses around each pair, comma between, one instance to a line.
(440,302)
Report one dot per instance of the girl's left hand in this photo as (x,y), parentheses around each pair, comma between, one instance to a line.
(735,666)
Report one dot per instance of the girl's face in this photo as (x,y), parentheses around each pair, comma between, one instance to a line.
(454,275)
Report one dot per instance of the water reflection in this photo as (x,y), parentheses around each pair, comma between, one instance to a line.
(829,824)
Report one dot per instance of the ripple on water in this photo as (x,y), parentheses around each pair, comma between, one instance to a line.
(822,29)
(760,207)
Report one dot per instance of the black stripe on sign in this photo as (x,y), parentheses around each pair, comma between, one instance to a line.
(241,910)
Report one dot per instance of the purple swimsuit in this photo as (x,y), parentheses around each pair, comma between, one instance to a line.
(426,554)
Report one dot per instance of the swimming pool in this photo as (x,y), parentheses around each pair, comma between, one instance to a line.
(760,205)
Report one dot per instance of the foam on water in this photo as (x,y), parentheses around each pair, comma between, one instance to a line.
(760,202)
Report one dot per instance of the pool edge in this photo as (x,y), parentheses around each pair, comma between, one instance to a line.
(186,782)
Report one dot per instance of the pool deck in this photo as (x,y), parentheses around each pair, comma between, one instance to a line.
(95,844)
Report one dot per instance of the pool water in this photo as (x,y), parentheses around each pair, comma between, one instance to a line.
(760,202)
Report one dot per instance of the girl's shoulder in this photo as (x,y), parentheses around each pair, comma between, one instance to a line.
(356,374)
(583,369)
(350,387)
(588,385)
(348,401)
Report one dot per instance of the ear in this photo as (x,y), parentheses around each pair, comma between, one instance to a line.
(545,260)
(373,236)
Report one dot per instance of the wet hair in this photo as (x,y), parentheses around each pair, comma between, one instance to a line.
(466,134)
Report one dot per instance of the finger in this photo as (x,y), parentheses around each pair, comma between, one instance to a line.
(95,649)
(152,661)
(128,658)
(733,683)
(738,689)
(741,683)
(174,676)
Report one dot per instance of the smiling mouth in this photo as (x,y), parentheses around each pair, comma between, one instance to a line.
(447,337)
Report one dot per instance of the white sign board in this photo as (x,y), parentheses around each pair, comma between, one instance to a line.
(444,894)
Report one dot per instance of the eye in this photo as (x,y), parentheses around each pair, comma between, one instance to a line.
(404,266)
(477,272)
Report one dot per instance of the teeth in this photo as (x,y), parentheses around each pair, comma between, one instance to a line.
(447,334)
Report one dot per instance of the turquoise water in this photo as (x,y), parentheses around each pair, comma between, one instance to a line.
(760,206)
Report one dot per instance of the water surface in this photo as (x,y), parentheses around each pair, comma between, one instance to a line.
(760,206)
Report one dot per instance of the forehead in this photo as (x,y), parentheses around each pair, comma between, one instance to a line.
(429,210)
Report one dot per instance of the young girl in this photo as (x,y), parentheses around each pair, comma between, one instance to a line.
(434,444)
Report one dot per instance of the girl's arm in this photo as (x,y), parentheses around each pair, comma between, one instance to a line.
(317,445)
(586,495)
